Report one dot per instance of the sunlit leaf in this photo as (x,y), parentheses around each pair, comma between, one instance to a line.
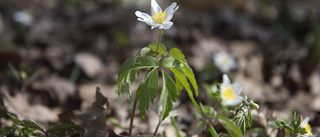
(236,119)
(31,124)
(249,121)
(188,71)
(147,91)
(14,118)
(162,50)
(177,54)
(232,129)
(183,80)
(170,62)
(243,126)
(146,62)
(169,94)
(213,131)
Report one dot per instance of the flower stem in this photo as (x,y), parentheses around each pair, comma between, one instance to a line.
(158,43)
(132,116)
(155,132)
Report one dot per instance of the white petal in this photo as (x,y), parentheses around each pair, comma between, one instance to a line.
(155,26)
(305,122)
(155,7)
(166,25)
(170,10)
(237,87)
(226,79)
(143,16)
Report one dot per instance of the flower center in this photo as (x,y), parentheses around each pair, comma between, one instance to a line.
(225,61)
(308,129)
(229,93)
(159,16)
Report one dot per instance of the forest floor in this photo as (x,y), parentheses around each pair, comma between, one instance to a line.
(50,69)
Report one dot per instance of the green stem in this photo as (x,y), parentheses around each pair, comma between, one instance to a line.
(132,116)
(174,123)
(155,132)
(158,43)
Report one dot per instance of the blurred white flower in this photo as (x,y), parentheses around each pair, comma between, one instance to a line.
(23,17)
(230,93)
(224,62)
(159,18)
(305,124)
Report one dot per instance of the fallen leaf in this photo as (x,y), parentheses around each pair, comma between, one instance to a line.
(89,63)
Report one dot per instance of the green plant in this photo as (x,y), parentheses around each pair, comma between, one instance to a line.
(294,127)
(27,127)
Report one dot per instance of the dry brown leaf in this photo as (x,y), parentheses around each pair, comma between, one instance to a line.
(89,63)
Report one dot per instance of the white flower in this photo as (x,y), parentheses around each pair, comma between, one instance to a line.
(230,93)
(159,18)
(23,17)
(224,62)
(305,124)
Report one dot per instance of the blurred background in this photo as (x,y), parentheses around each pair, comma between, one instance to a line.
(54,53)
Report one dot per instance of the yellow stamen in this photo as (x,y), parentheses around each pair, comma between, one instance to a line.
(308,129)
(159,16)
(229,93)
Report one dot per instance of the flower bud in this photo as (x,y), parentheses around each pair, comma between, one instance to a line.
(254,105)
(23,75)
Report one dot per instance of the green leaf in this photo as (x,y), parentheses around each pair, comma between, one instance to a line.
(29,132)
(61,127)
(188,71)
(146,62)
(7,130)
(197,114)
(170,62)
(298,123)
(183,80)
(293,115)
(178,84)
(249,121)
(31,124)
(286,125)
(147,91)
(14,118)
(232,129)
(169,94)
(243,126)
(209,111)
(162,50)
(144,51)
(236,119)
(123,74)
(177,54)
(213,131)
(127,70)
(174,123)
